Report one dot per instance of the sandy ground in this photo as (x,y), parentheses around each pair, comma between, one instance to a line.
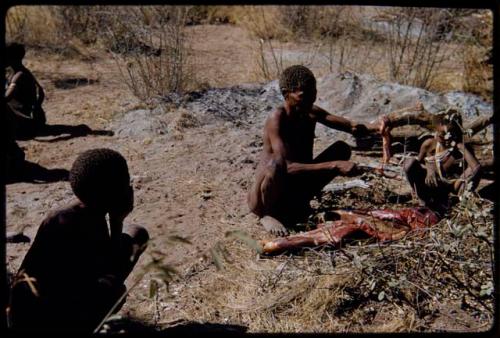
(191,185)
(191,182)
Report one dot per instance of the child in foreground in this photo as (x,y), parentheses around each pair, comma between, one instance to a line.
(74,272)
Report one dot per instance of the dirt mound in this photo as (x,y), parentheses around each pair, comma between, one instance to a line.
(141,123)
(363,98)
(239,103)
(357,97)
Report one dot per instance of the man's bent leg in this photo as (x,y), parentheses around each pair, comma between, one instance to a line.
(312,184)
(263,198)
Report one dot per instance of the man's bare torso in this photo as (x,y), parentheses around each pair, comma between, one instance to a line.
(297,134)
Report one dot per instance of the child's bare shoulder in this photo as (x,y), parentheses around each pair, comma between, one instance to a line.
(429,144)
(60,217)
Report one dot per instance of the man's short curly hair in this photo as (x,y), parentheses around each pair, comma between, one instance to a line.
(297,77)
(98,176)
(15,51)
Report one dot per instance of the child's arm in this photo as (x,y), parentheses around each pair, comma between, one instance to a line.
(425,151)
(118,214)
(469,157)
(473,172)
(116,226)
(11,89)
(41,94)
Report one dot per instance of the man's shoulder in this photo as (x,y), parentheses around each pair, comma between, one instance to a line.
(277,111)
(276,114)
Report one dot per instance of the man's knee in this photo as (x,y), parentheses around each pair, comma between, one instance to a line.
(343,150)
(274,167)
(268,180)
(339,151)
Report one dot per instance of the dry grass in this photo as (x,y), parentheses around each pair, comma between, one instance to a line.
(414,50)
(63,30)
(150,48)
(32,25)
(325,38)
(363,287)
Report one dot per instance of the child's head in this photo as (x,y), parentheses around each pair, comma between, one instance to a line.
(449,126)
(100,179)
(298,86)
(14,53)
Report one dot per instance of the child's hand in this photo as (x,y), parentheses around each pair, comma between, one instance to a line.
(122,208)
(431,179)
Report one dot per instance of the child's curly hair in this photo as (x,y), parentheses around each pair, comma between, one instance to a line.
(99,176)
(452,118)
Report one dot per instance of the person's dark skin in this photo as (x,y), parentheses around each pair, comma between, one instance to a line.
(423,176)
(75,249)
(287,157)
(25,96)
(24,89)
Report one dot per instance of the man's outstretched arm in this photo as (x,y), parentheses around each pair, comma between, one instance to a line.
(343,124)
(280,152)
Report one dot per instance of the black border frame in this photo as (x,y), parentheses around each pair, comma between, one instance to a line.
(494,6)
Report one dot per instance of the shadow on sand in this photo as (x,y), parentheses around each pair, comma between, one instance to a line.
(61,132)
(179,328)
(34,173)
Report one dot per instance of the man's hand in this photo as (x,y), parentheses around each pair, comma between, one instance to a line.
(359,130)
(346,168)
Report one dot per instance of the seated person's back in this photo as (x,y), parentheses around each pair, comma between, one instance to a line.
(77,266)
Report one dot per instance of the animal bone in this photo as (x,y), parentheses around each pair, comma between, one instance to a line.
(375,223)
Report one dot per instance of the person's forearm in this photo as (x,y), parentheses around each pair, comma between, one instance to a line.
(347,125)
(339,123)
(295,168)
(41,95)
(116,227)
(469,158)
(9,92)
